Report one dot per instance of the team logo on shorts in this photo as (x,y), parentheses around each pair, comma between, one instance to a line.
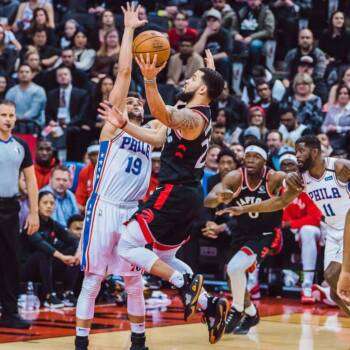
(148,215)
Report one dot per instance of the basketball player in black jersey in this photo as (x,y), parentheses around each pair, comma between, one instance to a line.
(258,234)
(164,220)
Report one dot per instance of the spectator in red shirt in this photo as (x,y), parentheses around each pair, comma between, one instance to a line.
(303,218)
(181,30)
(154,183)
(86,176)
(44,162)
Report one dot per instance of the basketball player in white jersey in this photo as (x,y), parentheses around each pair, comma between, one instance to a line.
(121,179)
(326,180)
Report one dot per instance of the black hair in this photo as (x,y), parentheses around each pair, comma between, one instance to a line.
(44,193)
(258,143)
(311,141)
(25,65)
(228,153)
(341,86)
(186,39)
(75,217)
(183,13)
(214,82)
(135,94)
(258,71)
(288,110)
(7,103)
(219,126)
(330,24)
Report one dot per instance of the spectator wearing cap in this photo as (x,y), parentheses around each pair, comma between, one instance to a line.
(290,127)
(305,102)
(86,176)
(218,41)
(66,204)
(30,98)
(182,65)
(267,103)
(307,65)
(337,122)
(306,47)
(250,94)
(237,110)
(252,26)
(227,14)
(252,133)
(276,147)
(45,161)
(154,182)
(181,30)
(302,218)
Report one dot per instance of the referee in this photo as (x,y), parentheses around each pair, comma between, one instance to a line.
(14,158)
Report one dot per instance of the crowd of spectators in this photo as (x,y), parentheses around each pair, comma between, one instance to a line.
(285,62)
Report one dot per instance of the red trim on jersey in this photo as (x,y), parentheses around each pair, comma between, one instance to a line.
(163,196)
(147,234)
(258,185)
(179,155)
(91,233)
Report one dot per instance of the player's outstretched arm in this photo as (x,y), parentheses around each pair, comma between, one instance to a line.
(343,288)
(224,191)
(154,134)
(121,86)
(294,187)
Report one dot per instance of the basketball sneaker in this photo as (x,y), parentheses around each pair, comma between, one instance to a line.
(246,323)
(69,298)
(215,317)
(190,293)
(307,298)
(138,341)
(323,294)
(81,343)
(232,320)
(53,302)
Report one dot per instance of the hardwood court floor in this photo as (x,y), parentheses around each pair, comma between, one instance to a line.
(285,325)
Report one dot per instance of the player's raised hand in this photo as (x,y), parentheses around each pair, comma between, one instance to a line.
(343,287)
(232,211)
(131,16)
(209,59)
(295,181)
(113,115)
(149,69)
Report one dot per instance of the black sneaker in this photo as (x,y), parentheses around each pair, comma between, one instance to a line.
(14,321)
(215,316)
(190,293)
(138,341)
(81,343)
(233,319)
(53,302)
(69,298)
(246,323)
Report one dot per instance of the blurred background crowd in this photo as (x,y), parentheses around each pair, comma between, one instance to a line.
(287,72)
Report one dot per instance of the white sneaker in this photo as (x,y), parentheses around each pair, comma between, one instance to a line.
(323,294)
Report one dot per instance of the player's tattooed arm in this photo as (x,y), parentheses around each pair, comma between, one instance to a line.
(273,204)
(185,119)
(342,169)
(224,191)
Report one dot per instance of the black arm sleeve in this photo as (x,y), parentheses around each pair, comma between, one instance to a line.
(27,159)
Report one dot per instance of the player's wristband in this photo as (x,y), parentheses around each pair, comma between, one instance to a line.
(149,81)
(124,125)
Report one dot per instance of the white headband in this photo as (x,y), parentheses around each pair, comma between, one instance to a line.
(256,149)
(288,156)
(93,148)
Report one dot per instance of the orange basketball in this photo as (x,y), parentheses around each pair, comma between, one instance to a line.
(152,42)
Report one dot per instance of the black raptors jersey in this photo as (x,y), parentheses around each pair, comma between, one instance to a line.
(256,224)
(182,161)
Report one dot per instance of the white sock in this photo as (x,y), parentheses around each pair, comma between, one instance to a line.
(82,332)
(250,310)
(203,301)
(177,279)
(138,328)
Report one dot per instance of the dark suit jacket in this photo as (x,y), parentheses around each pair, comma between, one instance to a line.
(78,106)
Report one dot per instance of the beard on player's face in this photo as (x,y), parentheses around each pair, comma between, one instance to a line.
(136,116)
(185,96)
(306,164)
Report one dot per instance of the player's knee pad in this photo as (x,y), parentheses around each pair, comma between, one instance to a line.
(136,301)
(89,291)
(240,262)
(169,257)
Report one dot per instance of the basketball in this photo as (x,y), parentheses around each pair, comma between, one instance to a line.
(152,42)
